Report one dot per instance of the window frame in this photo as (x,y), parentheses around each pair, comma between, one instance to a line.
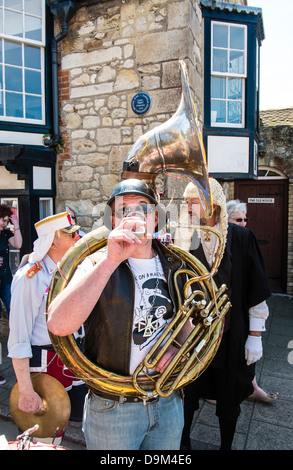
(227,75)
(31,43)
(48,200)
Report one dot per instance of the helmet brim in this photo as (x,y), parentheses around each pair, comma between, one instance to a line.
(134,187)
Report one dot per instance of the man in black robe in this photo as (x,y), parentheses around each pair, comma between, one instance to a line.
(228,379)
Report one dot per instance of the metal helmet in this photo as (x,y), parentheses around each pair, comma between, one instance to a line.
(134,186)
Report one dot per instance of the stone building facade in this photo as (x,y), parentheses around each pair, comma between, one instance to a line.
(113,50)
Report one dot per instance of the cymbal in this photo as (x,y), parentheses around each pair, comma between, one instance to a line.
(57,407)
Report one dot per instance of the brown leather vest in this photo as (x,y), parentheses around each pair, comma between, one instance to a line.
(108,329)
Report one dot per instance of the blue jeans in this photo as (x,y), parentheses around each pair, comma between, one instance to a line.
(5,296)
(109,425)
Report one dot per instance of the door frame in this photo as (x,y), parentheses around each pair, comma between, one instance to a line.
(271,175)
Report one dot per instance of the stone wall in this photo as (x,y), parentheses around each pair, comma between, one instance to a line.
(112,51)
(278,148)
(279,155)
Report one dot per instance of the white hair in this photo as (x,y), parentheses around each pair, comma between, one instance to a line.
(235,205)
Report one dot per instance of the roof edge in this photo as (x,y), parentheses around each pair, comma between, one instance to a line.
(237,8)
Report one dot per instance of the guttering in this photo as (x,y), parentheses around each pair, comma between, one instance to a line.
(63,11)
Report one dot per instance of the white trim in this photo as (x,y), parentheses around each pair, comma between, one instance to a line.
(279,175)
(42,177)
(226,101)
(229,25)
(228,154)
(45,199)
(17,38)
(23,41)
(21,138)
(229,75)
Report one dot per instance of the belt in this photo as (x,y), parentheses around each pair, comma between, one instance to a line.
(124,399)
(50,347)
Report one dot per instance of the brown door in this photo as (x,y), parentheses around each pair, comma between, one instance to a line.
(267,215)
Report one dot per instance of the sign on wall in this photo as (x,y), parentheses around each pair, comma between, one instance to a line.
(141,103)
(228,154)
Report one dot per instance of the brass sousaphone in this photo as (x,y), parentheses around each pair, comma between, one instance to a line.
(174,148)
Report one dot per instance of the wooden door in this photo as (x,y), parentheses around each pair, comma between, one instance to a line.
(267,213)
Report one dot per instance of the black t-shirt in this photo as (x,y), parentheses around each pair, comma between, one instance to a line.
(5,272)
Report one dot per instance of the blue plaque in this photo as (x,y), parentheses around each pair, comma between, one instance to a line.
(141,103)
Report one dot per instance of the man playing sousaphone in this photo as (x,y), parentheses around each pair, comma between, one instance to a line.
(124,298)
(130,293)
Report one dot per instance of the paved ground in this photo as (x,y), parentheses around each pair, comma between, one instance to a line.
(260,426)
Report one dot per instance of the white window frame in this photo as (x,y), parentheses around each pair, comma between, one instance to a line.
(229,75)
(25,42)
(46,199)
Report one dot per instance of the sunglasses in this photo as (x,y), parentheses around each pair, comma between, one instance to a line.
(239,219)
(146,209)
(72,234)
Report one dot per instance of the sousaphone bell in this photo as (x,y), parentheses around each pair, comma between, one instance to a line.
(174,148)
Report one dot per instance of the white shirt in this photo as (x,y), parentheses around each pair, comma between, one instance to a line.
(27,320)
(152,307)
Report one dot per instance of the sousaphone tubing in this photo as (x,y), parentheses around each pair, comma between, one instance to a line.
(175,149)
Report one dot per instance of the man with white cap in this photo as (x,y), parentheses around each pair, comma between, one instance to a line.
(29,343)
(228,379)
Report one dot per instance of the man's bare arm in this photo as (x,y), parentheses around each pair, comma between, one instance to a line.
(72,306)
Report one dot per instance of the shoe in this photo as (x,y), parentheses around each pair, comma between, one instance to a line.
(2,380)
(263,397)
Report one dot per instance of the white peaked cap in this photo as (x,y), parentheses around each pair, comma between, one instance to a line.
(46,229)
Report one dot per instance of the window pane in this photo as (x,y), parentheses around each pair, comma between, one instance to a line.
(33,107)
(32,57)
(13,23)
(33,6)
(235,88)
(218,111)
(1,21)
(13,53)
(218,88)
(220,60)
(13,78)
(13,4)
(33,82)
(33,28)
(237,38)
(45,208)
(220,35)
(1,103)
(236,64)
(14,105)
(234,112)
